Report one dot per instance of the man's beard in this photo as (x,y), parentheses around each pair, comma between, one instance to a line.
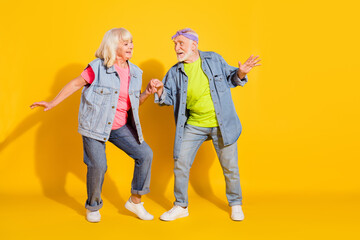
(186,56)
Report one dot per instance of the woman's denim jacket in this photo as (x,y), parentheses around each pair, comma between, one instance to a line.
(99,101)
(221,77)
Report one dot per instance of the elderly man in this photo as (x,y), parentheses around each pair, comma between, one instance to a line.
(198,87)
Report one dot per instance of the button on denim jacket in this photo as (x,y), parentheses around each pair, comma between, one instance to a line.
(99,101)
(221,78)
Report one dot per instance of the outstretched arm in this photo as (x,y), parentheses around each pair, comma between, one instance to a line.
(69,89)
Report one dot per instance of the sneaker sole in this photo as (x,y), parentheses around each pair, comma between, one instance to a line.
(238,220)
(181,216)
(92,221)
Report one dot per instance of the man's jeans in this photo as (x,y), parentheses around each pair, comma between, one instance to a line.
(192,139)
(124,138)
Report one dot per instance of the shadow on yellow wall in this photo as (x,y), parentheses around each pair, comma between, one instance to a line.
(158,129)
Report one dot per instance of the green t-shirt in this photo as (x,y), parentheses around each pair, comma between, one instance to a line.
(199,101)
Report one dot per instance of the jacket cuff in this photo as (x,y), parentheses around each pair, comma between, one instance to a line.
(239,82)
(160,100)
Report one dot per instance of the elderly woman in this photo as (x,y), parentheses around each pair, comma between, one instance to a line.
(109,111)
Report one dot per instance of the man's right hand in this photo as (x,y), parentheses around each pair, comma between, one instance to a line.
(158,85)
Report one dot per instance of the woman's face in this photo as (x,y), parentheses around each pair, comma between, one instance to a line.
(125,49)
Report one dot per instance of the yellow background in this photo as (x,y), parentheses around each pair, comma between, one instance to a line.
(298,153)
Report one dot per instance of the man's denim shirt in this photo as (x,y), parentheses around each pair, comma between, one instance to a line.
(99,101)
(221,77)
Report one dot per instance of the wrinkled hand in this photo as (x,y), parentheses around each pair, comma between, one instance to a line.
(248,65)
(150,88)
(46,105)
(156,85)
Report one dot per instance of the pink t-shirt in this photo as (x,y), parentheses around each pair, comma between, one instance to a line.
(123,104)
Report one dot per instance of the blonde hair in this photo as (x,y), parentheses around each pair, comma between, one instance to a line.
(109,45)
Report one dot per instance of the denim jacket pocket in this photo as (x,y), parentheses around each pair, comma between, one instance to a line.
(102,101)
(102,95)
(102,90)
(220,82)
(86,116)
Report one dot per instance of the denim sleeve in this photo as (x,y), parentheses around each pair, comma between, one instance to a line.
(166,97)
(231,74)
(236,81)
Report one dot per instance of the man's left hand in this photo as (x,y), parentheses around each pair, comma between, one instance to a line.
(248,65)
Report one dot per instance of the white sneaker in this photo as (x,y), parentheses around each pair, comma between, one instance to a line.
(237,213)
(93,217)
(175,213)
(139,210)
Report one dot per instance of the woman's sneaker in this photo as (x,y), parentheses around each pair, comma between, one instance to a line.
(175,213)
(93,217)
(237,213)
(139,210)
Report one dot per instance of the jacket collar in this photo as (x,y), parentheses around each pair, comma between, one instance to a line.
(111,69)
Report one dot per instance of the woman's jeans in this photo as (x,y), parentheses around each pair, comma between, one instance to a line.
(192,139)
(124,138)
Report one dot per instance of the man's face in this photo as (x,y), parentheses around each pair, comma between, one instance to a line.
(184,48)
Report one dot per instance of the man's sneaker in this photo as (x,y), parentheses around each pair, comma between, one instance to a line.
(139,210)
(237,213)
(93,217)
(174,213)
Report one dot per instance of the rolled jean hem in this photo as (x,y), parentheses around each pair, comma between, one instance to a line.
(93,208)
(140,192)
(180,204)
(235,203)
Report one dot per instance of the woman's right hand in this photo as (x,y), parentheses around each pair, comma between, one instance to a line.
(46,105)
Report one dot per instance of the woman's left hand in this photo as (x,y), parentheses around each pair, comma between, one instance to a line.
(151,87)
